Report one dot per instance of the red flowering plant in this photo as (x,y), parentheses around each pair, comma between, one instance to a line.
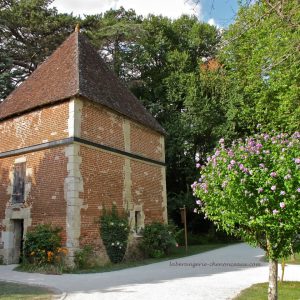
(252,190)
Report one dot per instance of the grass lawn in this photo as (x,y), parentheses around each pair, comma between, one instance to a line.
(175,253)
(292,261)
(289,260)
(288,290)
(15,291)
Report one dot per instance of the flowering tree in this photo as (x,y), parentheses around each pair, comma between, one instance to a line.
(252,190)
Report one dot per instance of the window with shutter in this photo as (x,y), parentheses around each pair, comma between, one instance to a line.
(19,183)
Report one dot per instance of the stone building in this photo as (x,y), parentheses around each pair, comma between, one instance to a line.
(73,140)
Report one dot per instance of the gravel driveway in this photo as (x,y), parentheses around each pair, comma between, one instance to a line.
(213,275)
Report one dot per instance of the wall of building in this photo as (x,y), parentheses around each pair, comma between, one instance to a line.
(44,194)
(69,185)
(103,126)
(37,127)
(46,170)
(107,181)
(110,177)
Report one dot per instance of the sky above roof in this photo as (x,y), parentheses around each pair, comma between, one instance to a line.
(216,12)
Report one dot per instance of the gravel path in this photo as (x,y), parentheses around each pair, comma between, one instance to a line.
(215,275)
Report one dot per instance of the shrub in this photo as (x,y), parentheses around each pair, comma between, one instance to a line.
(83,257)
(157,239)
(114,230)
(43,246)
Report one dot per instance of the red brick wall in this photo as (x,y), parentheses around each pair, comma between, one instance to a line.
(103,183)
(46,197)
(147,189)
(102,172)
(102,126)
(5,165)
(105,127)
(145,142)
(47,124)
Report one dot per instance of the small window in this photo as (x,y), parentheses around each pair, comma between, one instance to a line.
(19,183)
(138,221)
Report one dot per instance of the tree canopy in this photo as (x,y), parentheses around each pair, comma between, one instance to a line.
(252,190)
(29,32)
(261,55)
(200,82)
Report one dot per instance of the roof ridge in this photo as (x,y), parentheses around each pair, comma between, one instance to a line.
(77,33)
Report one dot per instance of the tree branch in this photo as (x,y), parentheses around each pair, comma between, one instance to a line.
(24,65)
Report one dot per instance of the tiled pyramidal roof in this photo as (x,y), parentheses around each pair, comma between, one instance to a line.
(75,69)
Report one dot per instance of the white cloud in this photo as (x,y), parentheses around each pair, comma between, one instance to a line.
(79,7)
(212,22)
(169,8)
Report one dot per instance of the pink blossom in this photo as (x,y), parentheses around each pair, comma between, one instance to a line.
(282,193)
(194,185)
(224,184)
(297,160)
(204,187)
(260,190)
(298,190)
(199,202)
(198,165)
(273,174)
(230,153)
(282,205)
(275,212)
(296,135)
(195,210)
(288,176)
(273,187)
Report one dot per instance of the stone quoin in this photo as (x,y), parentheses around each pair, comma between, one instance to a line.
(74,140)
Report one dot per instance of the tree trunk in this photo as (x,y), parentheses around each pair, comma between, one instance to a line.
(273,273)
(282,268)
(293,256)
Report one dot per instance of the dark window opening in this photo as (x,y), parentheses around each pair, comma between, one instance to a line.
(18,195)
(137,220)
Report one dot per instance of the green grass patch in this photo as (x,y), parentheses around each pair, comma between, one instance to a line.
(293,260)
(290,260)
(16,291)
(43,269)
(175,253)
(287,290)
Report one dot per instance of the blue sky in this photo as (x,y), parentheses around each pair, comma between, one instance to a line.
(215,12)
(221,11)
